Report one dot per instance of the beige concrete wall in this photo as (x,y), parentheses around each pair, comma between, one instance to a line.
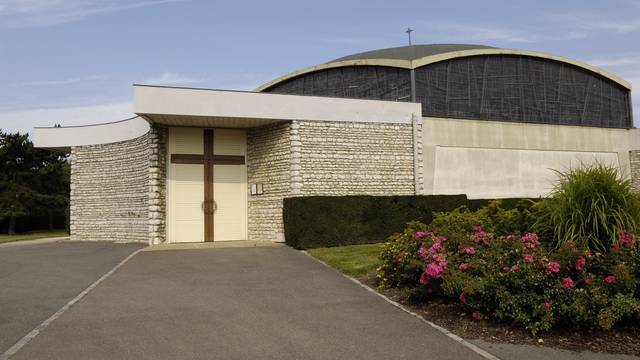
(496,159)
(516,173)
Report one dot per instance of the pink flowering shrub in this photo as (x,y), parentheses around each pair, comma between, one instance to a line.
(567,283)
(403,257)
(516,279)
(553,267)
(530,240)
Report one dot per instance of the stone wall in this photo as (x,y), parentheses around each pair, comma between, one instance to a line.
(418,155)
(306,158)
(110,191)
(157,184)
(634,160)
(353,158)
(268,163)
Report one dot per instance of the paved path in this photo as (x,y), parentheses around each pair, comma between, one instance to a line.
(530,352)
(36,280)
(247,303)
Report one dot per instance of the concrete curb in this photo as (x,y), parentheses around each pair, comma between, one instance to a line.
(485,354)
(212,245)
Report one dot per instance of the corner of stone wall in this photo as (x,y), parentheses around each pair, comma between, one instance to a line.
(73,217)
(296,167)
(269,163)
(418,158)
(157,184)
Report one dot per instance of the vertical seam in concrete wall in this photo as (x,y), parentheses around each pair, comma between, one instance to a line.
(634,168)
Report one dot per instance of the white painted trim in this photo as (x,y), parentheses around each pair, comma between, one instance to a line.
(66,137)
(221,104)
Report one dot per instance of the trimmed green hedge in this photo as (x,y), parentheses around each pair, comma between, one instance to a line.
(324,221)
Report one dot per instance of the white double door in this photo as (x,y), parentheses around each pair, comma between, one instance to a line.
(188,210)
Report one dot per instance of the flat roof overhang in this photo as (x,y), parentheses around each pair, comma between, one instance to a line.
(63,138)
(176,106)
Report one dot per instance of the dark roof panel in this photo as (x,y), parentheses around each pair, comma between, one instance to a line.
(411,52)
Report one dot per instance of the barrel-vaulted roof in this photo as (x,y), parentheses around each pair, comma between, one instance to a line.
(411,52)
(414,56)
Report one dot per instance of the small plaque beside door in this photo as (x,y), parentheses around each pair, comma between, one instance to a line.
(257,189)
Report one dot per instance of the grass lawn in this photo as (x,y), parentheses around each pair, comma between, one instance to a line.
(4,238)
(354,260)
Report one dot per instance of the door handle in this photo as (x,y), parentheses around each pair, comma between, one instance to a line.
(202,206)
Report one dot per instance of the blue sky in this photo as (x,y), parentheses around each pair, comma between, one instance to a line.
(73,61)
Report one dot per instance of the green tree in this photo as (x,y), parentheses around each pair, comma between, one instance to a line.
(32,181)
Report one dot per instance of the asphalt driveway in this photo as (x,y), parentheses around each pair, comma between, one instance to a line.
(236,303)
(36,280)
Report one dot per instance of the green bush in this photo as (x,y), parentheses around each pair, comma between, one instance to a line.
(460,223)
(325,221)
(589,205)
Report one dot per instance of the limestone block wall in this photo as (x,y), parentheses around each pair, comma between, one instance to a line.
(109,191)
(157,184)
(354,158)
(268,163)
(418,155)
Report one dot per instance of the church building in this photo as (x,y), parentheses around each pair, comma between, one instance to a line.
(200,165)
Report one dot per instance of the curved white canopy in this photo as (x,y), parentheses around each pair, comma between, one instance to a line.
(64,138)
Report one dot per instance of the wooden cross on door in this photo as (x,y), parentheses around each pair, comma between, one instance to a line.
(208,159)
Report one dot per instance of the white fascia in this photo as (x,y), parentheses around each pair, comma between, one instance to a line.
(64,138)
(156,100)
